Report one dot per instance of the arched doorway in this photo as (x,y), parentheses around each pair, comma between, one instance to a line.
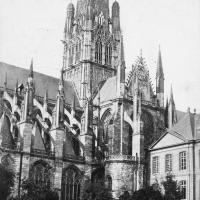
(71,184)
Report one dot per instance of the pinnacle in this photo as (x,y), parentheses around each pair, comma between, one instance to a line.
(31,69)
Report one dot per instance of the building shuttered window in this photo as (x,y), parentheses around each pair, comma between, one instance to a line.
(155,164)
(168,162)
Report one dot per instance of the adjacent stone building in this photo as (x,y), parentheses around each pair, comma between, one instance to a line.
(94,123)
(177,153)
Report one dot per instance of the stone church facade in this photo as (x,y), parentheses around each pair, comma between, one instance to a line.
(94,123)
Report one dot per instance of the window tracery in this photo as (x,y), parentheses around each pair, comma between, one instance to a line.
(109,181)
(71,184)
(41,174)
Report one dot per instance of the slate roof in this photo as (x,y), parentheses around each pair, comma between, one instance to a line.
(185,126)
(42,82)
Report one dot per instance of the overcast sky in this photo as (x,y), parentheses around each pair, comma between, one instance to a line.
(34,28)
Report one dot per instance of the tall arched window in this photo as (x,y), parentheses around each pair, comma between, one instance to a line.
(41,174)
(108,54)
(109,181)
(71,184)
(98,52)
(78,51)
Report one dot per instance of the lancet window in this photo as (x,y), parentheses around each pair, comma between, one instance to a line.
(98,52)
(108,54)
(41,174)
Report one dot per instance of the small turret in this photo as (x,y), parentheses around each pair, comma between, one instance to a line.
(69,21)
(160,80)
(31,89)
(29,95)
(60,103)
(115,17)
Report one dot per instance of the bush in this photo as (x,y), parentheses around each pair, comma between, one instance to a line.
(172,190)
(96,191)
(147,194)
(6,182)
(32,191)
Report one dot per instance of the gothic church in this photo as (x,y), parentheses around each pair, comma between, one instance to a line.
(96,122)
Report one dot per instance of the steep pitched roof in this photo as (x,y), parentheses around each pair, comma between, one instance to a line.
(42,82)
(185,126)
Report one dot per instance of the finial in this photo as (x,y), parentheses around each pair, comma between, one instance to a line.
(16,87)
(46,96)
(74,102)
(171,92)
(5,82)
(31,69)
(61,81)
(141,53)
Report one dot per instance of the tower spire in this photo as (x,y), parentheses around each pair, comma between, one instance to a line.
(160,80)
(159,73)
(172,115)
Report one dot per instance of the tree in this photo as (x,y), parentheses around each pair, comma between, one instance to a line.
(147,194)
(6,182)
(96,191)
(125,196)
(32,191)
(172,190)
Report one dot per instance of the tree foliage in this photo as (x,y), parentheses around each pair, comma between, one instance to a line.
(172,190)
(33,191)
(143,194)
(96,191)
(147,194)
(6,182)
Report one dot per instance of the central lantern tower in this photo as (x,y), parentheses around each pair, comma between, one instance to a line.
(91,45)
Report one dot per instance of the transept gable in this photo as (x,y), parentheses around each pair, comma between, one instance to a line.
(140,70)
